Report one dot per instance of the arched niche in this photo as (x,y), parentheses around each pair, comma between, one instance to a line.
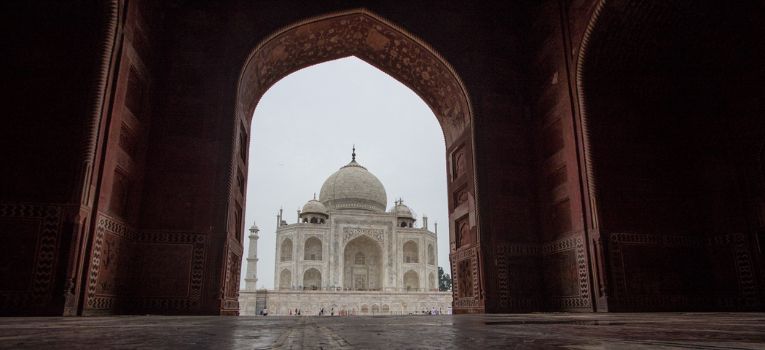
(313,249)
(411,281)
(362,264)
(411,253)
(285,251)
(312,279)
(285,279)
(431,255)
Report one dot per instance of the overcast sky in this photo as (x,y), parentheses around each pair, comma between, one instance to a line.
(303,130)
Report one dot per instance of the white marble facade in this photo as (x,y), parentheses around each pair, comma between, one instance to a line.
(347,253)
(347,303)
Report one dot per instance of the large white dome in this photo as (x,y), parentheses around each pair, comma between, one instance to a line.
(353,187)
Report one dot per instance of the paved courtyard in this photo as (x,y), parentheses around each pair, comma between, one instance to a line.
(528,331)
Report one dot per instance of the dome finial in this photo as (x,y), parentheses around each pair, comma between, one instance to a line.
(353,155)
(314,196)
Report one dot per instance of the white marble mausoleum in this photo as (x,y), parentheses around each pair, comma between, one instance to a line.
(350,255)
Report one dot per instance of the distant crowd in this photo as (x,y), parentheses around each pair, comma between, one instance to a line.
(298,312)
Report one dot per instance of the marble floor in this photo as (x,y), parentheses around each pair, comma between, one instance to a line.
(526,331)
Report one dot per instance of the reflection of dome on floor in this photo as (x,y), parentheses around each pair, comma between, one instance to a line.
(347,252)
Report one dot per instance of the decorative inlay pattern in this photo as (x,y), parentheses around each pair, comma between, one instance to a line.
(623,297)
(48,219)
(575,243)
(198,242)
(361,34)
(100,256)
(99,303)
(517,249)
(509,258)
(350,233)
(517,289)
(466,274)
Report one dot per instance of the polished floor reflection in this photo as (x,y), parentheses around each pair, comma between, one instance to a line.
(529,331)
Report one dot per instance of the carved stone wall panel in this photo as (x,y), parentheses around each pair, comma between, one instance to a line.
(114,265)
(699,278)
(460,196)
(153,271)
(566,278)
(109,265)
(230,292)
(163,269)
(29,239)
(517,283)
(466,281)
(458,163)
(180,281)
(464,235)
(349,233)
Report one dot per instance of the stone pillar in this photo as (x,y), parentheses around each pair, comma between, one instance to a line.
(252,260)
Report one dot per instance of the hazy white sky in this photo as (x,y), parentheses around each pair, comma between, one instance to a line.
(303,130)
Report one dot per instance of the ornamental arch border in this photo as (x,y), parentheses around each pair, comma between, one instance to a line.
(394,51)
(581,103)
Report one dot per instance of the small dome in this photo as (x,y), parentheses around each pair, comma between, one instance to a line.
(254,227)
(314,207)
(402,211)
(353,187)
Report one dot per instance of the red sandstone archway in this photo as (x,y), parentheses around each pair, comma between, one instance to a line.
(404,57)
(661,154)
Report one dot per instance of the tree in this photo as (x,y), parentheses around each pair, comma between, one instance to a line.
(444,280)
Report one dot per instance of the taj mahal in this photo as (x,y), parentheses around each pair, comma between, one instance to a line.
(347,255)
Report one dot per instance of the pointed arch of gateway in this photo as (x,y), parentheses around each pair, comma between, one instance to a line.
(681,200)
(401,55)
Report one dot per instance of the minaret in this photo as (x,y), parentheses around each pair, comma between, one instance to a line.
(425,221)
(252,260)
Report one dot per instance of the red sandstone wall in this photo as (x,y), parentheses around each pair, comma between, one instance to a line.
(674,200)
(127,185)
(50,72)
(561,232)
